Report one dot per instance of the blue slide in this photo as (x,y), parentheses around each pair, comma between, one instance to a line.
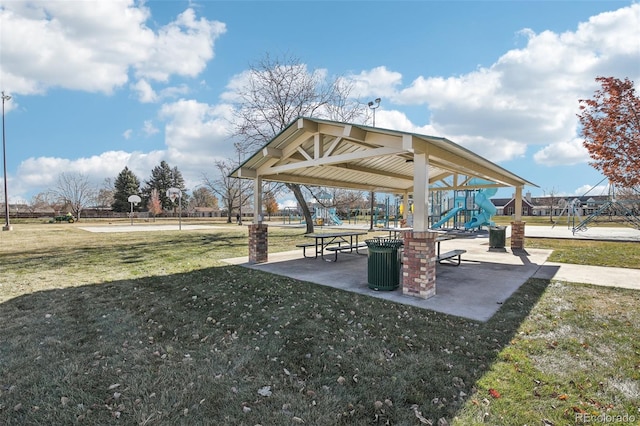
(487,209)
(446,217)
(334,217)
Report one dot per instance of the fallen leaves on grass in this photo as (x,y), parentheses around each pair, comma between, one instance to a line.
(420,417)
(265,391)
(494,393)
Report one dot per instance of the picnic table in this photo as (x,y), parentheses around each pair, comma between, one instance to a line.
(336,241)
(440,257)
(394,231)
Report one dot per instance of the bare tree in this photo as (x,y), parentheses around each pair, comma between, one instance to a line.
(551,195)
(40,202)
(105,196)
(75,191)
(279,90)
(232,192)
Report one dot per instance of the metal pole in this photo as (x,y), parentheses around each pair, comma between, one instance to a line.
(180,211)
(132,213)
(372,207)
(239,190)
(7,226)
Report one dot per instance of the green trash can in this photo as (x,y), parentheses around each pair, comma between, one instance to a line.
(497,236)
(383,263)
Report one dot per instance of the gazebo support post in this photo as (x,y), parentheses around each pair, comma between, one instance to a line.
(419,255)
(258,241)
(419,264)
(517,226)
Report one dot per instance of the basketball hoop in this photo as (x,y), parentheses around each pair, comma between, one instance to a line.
(173,193)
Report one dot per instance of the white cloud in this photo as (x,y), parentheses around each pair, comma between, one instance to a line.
(287,203)
(375,83)
(562,153)
(149,129)
(42,172)
(144,91)
(529,95)
(591,190)
(182,47)
(396,120)
(127,134)
(197,135)
(92,46)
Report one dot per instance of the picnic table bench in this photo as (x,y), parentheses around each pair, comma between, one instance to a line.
(304,247)
(348,247)
(448,256)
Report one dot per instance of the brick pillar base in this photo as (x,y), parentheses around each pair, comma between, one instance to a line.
(419,264)
(517,235)
(258,244)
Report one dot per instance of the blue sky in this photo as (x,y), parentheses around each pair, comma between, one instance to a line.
(100,85)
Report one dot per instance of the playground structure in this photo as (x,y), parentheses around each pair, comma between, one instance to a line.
(471,208)
(326,216)
(291,214)
(611,208)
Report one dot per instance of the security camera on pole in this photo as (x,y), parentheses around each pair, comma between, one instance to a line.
(133,199)
(174,193)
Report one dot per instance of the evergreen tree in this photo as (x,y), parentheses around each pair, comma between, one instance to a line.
(162,178)
(126,184)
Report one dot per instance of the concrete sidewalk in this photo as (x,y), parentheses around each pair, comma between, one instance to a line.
(596,275)
(599,233)
(152,227)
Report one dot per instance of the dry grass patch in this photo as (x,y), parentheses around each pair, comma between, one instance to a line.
(588,252)
(152,328)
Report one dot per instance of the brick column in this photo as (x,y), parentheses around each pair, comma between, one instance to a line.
(258,244)
(419,264)
(517,235)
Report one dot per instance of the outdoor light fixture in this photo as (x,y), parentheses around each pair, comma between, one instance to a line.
(371,104)
(7,226)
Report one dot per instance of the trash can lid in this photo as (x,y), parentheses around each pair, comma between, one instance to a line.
(383,243)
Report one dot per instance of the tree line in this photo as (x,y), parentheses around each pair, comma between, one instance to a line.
(73,193)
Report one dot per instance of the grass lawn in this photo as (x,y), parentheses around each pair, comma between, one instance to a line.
(152,328)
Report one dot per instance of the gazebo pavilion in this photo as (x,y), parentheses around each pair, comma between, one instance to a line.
(319,152)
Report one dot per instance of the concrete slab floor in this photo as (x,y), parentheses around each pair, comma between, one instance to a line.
(475,290)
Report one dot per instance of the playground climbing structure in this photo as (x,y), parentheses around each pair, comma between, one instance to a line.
(473,208)
(611,208)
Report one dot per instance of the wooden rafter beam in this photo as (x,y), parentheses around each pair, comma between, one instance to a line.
(334,159)
(308,180)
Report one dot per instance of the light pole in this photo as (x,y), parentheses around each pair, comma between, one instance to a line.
(373,105)
(7,226)
(237,145)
